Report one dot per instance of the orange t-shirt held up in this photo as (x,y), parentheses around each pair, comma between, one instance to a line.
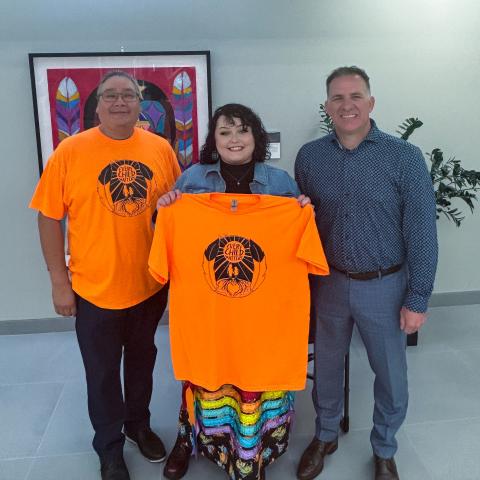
(108,190)
(238,267)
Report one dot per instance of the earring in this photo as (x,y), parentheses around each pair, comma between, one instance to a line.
(215,156)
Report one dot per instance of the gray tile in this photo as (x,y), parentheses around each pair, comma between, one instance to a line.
(69,430)
(164,409)
(449,450)
(46,357)
(142,469)
(15,469)
(471,359)
(455,327)
(25,411)
(441,388)
(71,467)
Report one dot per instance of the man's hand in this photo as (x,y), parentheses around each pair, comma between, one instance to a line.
(64,299)
(53,247)
(304,200)
(411,322)
(168,198)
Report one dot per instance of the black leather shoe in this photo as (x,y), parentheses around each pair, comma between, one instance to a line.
(149,444)
(385,469)
(311,463)
(177,462)
(114,469)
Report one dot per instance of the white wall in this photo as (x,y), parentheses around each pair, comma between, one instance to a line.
(273,55)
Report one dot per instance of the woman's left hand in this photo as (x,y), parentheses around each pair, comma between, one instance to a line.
(303,200)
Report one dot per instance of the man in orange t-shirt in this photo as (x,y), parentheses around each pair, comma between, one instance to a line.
(106,181)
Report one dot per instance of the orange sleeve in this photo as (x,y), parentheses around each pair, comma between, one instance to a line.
(168,165)
(310,249)
(158,263)
(50,192)
(176,167)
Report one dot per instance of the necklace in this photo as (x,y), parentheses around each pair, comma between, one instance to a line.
(238,180)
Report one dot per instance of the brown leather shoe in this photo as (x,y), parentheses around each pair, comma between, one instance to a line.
(311,463)
(177,462)
(385,469)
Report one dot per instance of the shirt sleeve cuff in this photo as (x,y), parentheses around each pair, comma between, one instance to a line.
(416,303)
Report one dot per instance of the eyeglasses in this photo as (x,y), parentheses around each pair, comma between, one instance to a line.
(110,97)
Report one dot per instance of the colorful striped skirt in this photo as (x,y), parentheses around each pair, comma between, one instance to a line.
(242,432)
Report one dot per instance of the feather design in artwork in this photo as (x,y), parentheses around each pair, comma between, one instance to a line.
(67,108)
(182,103)
(152,117)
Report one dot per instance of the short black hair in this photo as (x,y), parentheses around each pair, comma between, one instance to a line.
(345,71)
(248,118)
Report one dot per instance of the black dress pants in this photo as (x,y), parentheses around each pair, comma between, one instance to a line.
(103,336)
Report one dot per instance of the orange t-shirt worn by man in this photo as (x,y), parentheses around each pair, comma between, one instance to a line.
(108,189)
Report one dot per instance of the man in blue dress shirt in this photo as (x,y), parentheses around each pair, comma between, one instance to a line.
(375,211)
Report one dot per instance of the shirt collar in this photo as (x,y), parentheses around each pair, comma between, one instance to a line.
(260,174)
(212,167)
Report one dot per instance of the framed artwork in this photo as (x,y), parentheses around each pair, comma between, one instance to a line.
(175,86)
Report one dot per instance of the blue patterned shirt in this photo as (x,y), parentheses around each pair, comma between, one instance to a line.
(375,207)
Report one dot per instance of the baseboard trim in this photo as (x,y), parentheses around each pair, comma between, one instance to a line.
(46,325)
(67,324)
(453,299)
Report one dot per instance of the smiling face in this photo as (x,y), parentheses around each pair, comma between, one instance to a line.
(234,141)
(349,104)
(118,118)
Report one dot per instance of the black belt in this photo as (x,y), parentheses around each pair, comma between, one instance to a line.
(369,275)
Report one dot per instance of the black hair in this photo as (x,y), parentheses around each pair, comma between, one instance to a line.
(249,119)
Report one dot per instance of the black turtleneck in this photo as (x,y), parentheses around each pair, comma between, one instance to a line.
(237,177)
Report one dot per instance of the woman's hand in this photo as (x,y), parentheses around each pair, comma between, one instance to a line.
(304,200)
(168,198)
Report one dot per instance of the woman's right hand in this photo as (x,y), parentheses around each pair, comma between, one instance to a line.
(168,198)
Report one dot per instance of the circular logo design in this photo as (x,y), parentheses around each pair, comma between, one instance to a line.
(234,266)
(126,187)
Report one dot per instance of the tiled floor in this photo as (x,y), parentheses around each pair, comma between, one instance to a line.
(46,434)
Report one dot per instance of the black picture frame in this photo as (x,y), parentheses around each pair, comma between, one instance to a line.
(44,65)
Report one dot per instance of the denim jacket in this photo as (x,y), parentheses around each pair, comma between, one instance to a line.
(205,178)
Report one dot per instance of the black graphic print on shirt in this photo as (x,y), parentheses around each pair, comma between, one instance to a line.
(126,187)
(234,266)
